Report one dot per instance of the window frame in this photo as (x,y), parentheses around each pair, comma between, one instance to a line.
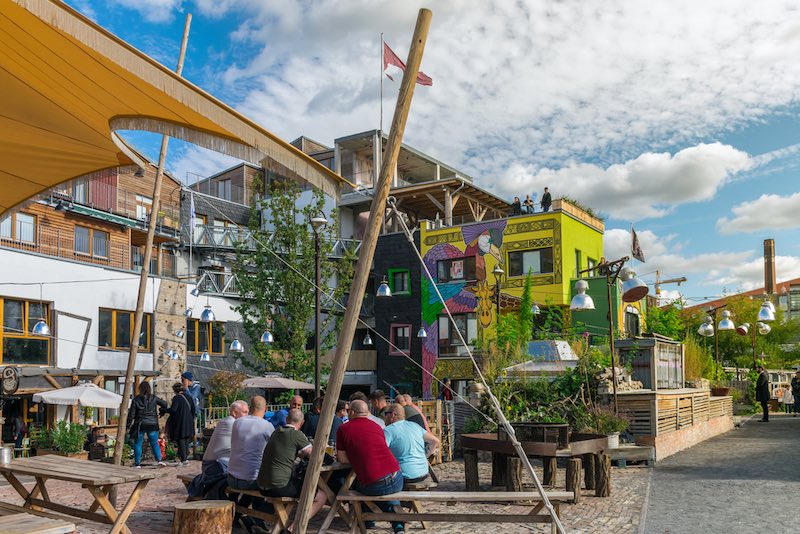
(14,227)
(25,333)
(469,268)
(450,341)
(522,253)
(91,253)
(147,320)
(391,274)
(392,337)
(193,330)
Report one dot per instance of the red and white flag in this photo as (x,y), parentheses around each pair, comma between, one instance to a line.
(390,58)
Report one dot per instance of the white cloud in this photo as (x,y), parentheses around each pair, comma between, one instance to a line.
(768,212)
(153,10)
(194,162)
(648,186)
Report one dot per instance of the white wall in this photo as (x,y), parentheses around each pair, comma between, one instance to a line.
(90,289)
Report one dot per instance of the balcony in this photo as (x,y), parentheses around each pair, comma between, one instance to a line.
(224,284)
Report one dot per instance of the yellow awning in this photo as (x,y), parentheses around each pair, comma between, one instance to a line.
(66,85)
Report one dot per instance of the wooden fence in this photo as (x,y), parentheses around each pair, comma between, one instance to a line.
(657,413)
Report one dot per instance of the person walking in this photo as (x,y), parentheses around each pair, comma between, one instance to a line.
(143,420)
(546,200)
(180,425)
(762,392)
(796,392)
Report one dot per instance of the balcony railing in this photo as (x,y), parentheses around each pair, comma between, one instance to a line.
(219,283)
(103,252)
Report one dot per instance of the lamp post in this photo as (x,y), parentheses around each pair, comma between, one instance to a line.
(765,315)
(317,223)
(498,273)
(633,290)
(708,329)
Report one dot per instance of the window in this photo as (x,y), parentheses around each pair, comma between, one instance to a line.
(144,205)
(449,341)
(199,235)
(91,242)
(539,261)
(400,281)
(202,337)
(632,325)
(591,264)
(80,190)
(400,339)
(19,227)
(224,189)
(456,269)
(577,263)
(115,330)
(19,346)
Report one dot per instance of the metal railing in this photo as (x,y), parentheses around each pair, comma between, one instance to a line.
(219,283)
(219,189)
(215,413)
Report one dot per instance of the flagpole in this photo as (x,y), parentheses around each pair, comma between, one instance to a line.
(381,123)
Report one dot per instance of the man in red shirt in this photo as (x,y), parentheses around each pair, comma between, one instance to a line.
(362,444)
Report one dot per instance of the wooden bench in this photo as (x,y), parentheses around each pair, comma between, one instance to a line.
(18,520)
(355,500)
(283,507)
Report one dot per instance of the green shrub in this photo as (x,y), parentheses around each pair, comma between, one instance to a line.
(605,421)
(68,438)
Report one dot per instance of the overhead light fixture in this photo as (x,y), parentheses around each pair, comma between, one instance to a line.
(422,333)
(633,289)
(208,315)
(726,323)
(535,309)
(236,345)
(41,328)
(383,290)
(139,172)
(267,337)
(173,354)
(318,222)
(205,357)
(498,272)
(188,312)
(707,328)
(179,333)
(195,292)
(581,301)
(763,329)
(765,314)
(768,303)
(743,329)
(367,341)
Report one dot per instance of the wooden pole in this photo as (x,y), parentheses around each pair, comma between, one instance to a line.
(148,252)
(602,475)
(611,340)
(366,253)
(574,478)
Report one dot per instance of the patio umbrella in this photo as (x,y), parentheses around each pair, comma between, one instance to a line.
(275,382)
(86,394)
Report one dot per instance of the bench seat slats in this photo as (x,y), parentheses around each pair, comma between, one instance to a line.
(458,496)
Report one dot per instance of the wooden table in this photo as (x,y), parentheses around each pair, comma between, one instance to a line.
(336,506)
(97,477)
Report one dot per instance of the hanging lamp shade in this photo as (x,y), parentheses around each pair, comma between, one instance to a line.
(707,328)
(535,309)
(40,329)
(367,340)
(173,354)
(318,222)
(765,314)
(633,289)
(581,301)
(768,303)
(195,292)
(726,323)
(383,290)
(236,345)
(208,315)
(180,333)
(188,312)
(267,337)
(205,357)
(743,329)
(763,328)
(422,333)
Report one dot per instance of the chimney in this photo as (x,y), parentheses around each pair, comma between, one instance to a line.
(769,266)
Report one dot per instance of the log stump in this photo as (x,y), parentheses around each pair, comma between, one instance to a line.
(550,466)
(603,476)
(574,478)
(589,461)
(206,517)
(471,479)
(513,474)
(499,467)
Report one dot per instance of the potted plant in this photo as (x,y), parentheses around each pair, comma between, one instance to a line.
(65,439)
(719,389)
(605,421)
(88,415)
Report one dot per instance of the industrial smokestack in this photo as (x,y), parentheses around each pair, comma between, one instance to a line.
(769,267)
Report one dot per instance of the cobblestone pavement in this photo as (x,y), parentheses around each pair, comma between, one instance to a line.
(617,514)
(747,480)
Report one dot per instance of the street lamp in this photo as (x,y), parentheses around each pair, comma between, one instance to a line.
(633,290)
(317,223)
(765,315)
(498,273)
(707,330)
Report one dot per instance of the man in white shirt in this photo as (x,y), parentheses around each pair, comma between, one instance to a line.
(219,446)
(249,437)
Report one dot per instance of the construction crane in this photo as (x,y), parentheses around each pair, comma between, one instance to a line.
(660,282)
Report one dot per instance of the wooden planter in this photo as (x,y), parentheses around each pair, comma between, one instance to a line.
(83,455)
(720,392)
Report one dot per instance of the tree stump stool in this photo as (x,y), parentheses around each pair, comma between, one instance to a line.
(602,476)
(206,517)
(471,479)
(589,461)
(550,465)
(513,474)
(499,469)
(574,478)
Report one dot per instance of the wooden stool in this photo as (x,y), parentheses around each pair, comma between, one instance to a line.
(208,517)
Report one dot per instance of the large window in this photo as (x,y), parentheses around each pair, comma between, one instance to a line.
(144,205)
(400,281)
(201,337)
(224,189)
(115,330)
(91,242)
(400,339)
(449,340)
(19,227)
(577,263)
(456,269)
(19,346)
(538,261)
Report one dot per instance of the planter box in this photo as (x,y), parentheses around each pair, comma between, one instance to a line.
(539,432)
(720,392)
(83,455)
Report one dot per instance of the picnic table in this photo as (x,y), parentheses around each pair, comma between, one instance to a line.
(98,479)
(326,472)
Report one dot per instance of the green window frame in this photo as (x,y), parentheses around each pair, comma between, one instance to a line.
(396,290)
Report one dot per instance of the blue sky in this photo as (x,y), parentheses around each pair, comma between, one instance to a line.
(679,118)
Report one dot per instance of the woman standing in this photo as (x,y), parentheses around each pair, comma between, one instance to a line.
(143,419)
(180,425)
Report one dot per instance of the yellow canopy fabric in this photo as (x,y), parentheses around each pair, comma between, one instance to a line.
(66,85)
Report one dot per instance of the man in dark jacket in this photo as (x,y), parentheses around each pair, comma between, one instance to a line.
(762,392)
(796,392)
(546,200)
(180,425)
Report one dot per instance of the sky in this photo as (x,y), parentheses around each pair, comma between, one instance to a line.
(677,117)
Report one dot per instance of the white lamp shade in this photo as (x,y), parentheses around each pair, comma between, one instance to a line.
(770,305)
(195,292)
(40,329)
(633,289)
(383,290)
(318,222)
(267,337)
(763,329)
(765,314)
(188,312)
(581,301)
(535,309)
(367,340)
(205,357)
(706,330)
(726,323)
(173,354)
(180,333)
(236,345)
(208,315)
(422,333)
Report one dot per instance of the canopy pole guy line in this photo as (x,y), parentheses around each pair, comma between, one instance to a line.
(495,403)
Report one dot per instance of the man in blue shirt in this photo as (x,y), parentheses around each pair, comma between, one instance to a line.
(278,419)
(409,443)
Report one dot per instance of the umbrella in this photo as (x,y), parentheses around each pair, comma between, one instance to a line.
(86,394)
(275,382)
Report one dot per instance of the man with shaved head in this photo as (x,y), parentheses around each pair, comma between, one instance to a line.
(219,446)
(362,444)
(409,443)
(278,419)
(413,413)
(248,439)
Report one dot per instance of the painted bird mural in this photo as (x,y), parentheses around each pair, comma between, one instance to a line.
(483,239)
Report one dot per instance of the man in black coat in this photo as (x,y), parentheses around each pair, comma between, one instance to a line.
(762,392)
(180,425)
(546,200)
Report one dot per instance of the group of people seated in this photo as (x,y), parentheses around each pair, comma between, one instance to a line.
(386,449)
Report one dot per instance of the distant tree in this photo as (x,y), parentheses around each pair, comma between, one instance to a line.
(665,321)
(226,386)
(276,279)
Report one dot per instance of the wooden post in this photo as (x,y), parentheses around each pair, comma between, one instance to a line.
(550,467)
(208,517)
(589,461)
(499,467)
(513,473)
(603,476)
(363,266)
(471,479)
(148,253)
(574,478)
